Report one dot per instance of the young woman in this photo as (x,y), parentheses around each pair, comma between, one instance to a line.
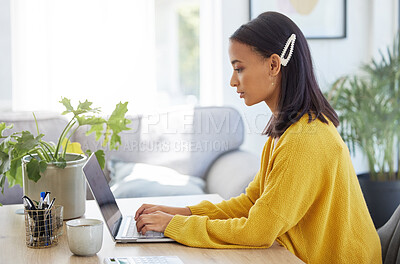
(306,194)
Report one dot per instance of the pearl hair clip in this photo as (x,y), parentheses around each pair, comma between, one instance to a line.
(290,41)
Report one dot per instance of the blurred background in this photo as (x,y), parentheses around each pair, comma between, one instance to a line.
(160,54)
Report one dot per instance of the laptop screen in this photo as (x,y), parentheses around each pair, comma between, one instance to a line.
(101,191)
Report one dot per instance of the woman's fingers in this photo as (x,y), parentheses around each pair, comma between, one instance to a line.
(152,209)
(146,219)
(139,211)
(148,228)
(156,221)
(140,222)
(142,209)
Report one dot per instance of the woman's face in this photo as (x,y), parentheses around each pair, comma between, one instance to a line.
(256,79)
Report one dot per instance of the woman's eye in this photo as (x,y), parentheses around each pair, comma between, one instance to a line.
(239,70)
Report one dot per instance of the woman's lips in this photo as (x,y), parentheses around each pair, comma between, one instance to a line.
(241,95)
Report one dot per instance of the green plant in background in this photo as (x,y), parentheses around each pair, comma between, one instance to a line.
(20,144)
(368,108)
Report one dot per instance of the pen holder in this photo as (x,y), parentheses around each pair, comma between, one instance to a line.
(43,227)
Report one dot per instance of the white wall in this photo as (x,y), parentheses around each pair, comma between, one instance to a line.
(371,25)
(5,56)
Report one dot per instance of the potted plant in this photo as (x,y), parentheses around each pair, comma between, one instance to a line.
(37,165)
(369,112)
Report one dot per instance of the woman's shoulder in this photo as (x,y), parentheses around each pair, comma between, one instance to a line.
(306,133)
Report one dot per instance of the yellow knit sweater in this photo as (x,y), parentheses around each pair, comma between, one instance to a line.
(306,196)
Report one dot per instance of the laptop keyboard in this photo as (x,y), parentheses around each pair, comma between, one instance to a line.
(132,231)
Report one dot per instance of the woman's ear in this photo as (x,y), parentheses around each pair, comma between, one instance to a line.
(274,64)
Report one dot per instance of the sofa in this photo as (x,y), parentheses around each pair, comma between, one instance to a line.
(179,151)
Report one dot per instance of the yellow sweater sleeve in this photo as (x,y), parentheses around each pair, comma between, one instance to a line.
(286,196)
(235,207)
(251,232)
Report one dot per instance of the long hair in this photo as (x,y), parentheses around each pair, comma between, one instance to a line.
(300,93)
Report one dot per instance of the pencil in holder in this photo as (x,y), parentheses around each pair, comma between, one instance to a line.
(43,226)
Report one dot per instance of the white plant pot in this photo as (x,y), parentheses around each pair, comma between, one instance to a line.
(67,185)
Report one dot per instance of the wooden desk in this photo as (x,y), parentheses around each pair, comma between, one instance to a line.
(14,250)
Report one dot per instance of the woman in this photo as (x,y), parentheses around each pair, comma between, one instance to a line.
(306,194)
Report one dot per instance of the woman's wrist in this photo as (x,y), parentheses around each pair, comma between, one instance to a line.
(188,211)
(183,211)
(176,210)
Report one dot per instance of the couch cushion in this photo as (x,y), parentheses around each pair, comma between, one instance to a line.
(130,179)
(187,140)
(50,124)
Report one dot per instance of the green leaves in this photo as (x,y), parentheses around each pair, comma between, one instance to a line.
(4,127)
(4,166)
(67,103)
(60,163)
(82,108)
(369,112)
(12,149)
(14,175)
(100,155)
(101,158)
(97,125)
(91,120)
(26,142)
(117,123)
(101,127)
(34,168)
(19,144)
(5,162)
(113,126)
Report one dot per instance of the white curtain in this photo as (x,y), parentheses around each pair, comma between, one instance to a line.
(100,50)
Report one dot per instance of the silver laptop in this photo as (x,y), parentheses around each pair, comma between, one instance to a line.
(122,228)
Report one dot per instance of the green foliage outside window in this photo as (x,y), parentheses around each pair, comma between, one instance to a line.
(189,62)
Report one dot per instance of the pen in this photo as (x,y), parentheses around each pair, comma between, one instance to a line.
(46,199)
(33,214)
(40,206)
(51,203)
(29,205)
(44,204)
(49,217)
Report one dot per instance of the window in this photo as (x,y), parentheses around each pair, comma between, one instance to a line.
(177,25)
(142,51)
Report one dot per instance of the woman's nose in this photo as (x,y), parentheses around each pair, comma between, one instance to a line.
(234,82)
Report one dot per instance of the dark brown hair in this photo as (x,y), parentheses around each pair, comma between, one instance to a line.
(300,93)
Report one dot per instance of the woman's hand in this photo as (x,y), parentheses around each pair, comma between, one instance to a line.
(151,208)
(156,221)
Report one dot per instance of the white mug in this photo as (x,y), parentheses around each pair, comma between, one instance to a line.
(85,236)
